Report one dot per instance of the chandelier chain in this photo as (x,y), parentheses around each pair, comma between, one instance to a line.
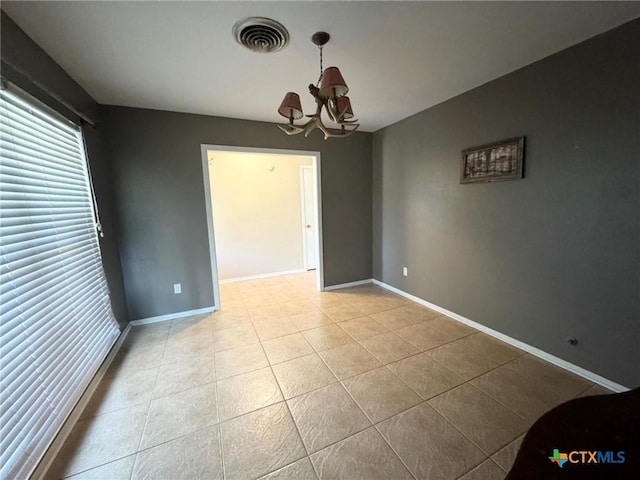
(321,72)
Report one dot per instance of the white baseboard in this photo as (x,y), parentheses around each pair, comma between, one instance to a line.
(349,284)
(262,275)
(616,387)
(172,316)
(52,452)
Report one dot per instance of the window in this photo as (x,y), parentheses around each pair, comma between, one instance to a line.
(56,321)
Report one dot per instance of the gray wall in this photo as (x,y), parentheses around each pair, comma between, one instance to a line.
(161,204)
(556,254)
(25,64)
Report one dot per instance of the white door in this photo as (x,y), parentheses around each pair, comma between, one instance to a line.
(309,226)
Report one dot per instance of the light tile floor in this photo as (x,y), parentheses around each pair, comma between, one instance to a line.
(289,383)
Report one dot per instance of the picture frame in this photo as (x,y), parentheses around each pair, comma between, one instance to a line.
(493,162)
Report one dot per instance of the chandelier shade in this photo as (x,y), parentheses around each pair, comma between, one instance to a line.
(290,107)
(333,84)
(343,105)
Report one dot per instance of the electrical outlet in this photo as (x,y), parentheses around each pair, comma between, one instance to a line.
(404,271)
(177,288)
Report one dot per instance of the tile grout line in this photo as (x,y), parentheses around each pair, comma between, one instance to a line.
(98,466)
(219,425)
(451,424)
(470,439)
(511,361)
(215,386)
(426,401)
(494,462)
(373,424)
(146,420)
(412,389)
(112,377)
(480,389)
(168,395)
(586,390)
(384,439)
(386,333)
(284,400)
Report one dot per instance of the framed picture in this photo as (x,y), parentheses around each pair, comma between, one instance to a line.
(493,162)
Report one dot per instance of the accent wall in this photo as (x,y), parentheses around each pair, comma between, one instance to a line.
(551,256)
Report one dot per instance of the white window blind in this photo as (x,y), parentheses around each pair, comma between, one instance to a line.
(57,324)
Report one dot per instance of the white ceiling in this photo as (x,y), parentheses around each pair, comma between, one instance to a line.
(397,57)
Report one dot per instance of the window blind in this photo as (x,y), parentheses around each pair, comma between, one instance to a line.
(56,321)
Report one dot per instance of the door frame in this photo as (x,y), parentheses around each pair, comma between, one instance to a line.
(303,216)
(204,149)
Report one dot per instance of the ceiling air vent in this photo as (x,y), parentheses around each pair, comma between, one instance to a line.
(261,35)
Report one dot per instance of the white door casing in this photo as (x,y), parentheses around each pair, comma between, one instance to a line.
(309,221)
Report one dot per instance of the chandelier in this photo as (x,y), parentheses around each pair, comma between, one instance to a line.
(329,93)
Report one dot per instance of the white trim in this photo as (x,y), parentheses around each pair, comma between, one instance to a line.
(210,232)
(205,148)
(318,196)
(173,316)
(594,377)
(275,151)
(348,284)
(303,214)
(303,217)
(262,275)
(42,470)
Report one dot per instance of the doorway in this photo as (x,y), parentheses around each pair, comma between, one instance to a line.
(248,230)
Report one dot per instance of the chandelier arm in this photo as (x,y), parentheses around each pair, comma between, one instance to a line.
(290,129)
(314,123)
(329,134)
(319,125)
(331,110)
(311,125)
(315,120)
(305,128)
(342,133)
(295,129)
(340,120)
(318,120)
